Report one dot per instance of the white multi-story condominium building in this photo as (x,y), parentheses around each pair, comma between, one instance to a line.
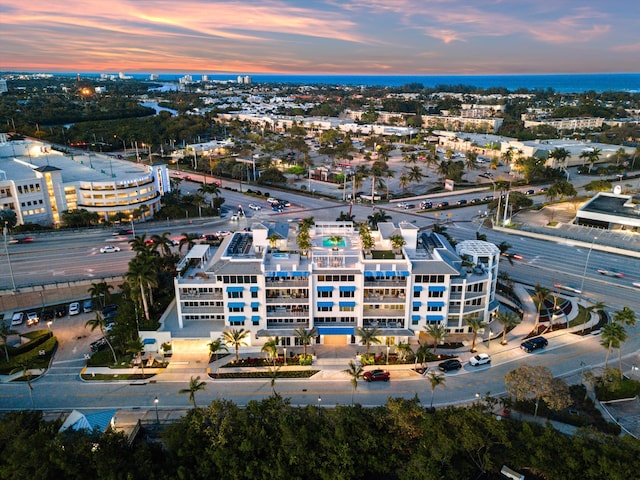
(588,123)
(263,282)
(39,183)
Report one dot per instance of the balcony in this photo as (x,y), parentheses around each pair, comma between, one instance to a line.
(208,309)
(288,300)
(399,324)
(384,298)
(382,312)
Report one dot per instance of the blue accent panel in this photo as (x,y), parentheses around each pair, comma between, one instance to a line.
(254,289)
(434,318)
(390,273)
(417,288)
(437,288)
(417,304)
(325,289)
(435,304)
(415,318)
(369,273)
(347,304)
(234,289)
(235,304)
(335,331)
(255,304)
(255,318)
(347,288)
(325,304)
(236,318)
(403,273)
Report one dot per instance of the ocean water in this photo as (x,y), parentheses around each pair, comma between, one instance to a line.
(561,83)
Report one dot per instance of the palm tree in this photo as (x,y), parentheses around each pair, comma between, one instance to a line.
(377,217)
(368,336)
(403,350)
(613,335)
(100,292)
(475,324)
(210,189)
(355,372)
(270,347)
(274,373)
(305,336)
(508,320)
(140,244)
(594,156)
(216,346)
(162,243)
(404,181)
(236,339)
(436,331)
(195,385)
(435,380)
(540,294)
(99,323)
(142,274)
(25,365)
(188,239)
(560,155)
(135,347)
(335,240)
(415,174)
(626,316)
(5,331)
(397,242)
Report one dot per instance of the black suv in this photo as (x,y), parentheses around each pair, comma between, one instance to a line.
(452,364)
(534,344)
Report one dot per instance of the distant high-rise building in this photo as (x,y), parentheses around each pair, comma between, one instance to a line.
(240,79)
(205,78)
(3,86)
(247,79)
(153,76)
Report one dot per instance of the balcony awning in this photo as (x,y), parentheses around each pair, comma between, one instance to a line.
(255,304)
(254,289)
(415,318)
(347,304)
(435,304)
(237,318)
(235,304)
(417,304)
(434,318)
(325,304)
(335,330)
(347,288)
(325,289)
(437,288)
(234,289)
(417,288)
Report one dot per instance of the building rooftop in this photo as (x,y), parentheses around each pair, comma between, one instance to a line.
(620,205)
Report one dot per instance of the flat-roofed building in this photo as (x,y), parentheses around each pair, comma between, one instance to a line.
(263,282)
(39,183)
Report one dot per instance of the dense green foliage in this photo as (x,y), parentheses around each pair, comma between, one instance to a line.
(273,440)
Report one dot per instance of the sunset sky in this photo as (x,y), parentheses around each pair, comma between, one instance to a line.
(321,36)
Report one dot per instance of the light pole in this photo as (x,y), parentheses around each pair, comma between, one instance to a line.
(6,249)
(133,229)
(388,354)
(155,402)
(586,264)
(319,400)
(285,355)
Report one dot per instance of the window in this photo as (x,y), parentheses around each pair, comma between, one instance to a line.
(325,309)
(325,294)
(254,294)
(235,294)
(434,309)
(436,294)
(347,309)
(347,294)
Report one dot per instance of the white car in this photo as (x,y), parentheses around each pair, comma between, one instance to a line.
(109,249)
(32,318)
(223,233)
(255,207)
(74,308)
(480,359)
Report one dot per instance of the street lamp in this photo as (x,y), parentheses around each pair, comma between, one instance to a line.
(584,273)
(319,400)
(388,354)
(155,401)
(285,356)
(6,249)
(133,229)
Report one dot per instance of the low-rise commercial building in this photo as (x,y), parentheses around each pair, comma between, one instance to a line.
(39,183)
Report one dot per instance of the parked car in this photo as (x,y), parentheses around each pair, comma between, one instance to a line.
(74,308)
(402,205)
(443,204)
(61,311)
(32,318)
(480,359)
(47,315)
(426,205)
(534,343)
(461,202)
(376,376)
(17,319)
(87,306)
(487,198)
(98,345)
(272,200)
(255,207)
(475,200)
(451,364)
(529,192)
(109,249)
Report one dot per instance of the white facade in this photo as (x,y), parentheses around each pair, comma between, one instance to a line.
(39,183)
(260,281)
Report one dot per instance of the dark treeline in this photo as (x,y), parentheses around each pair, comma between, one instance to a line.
(273,440)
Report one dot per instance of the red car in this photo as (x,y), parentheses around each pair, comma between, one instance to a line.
(376,376)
